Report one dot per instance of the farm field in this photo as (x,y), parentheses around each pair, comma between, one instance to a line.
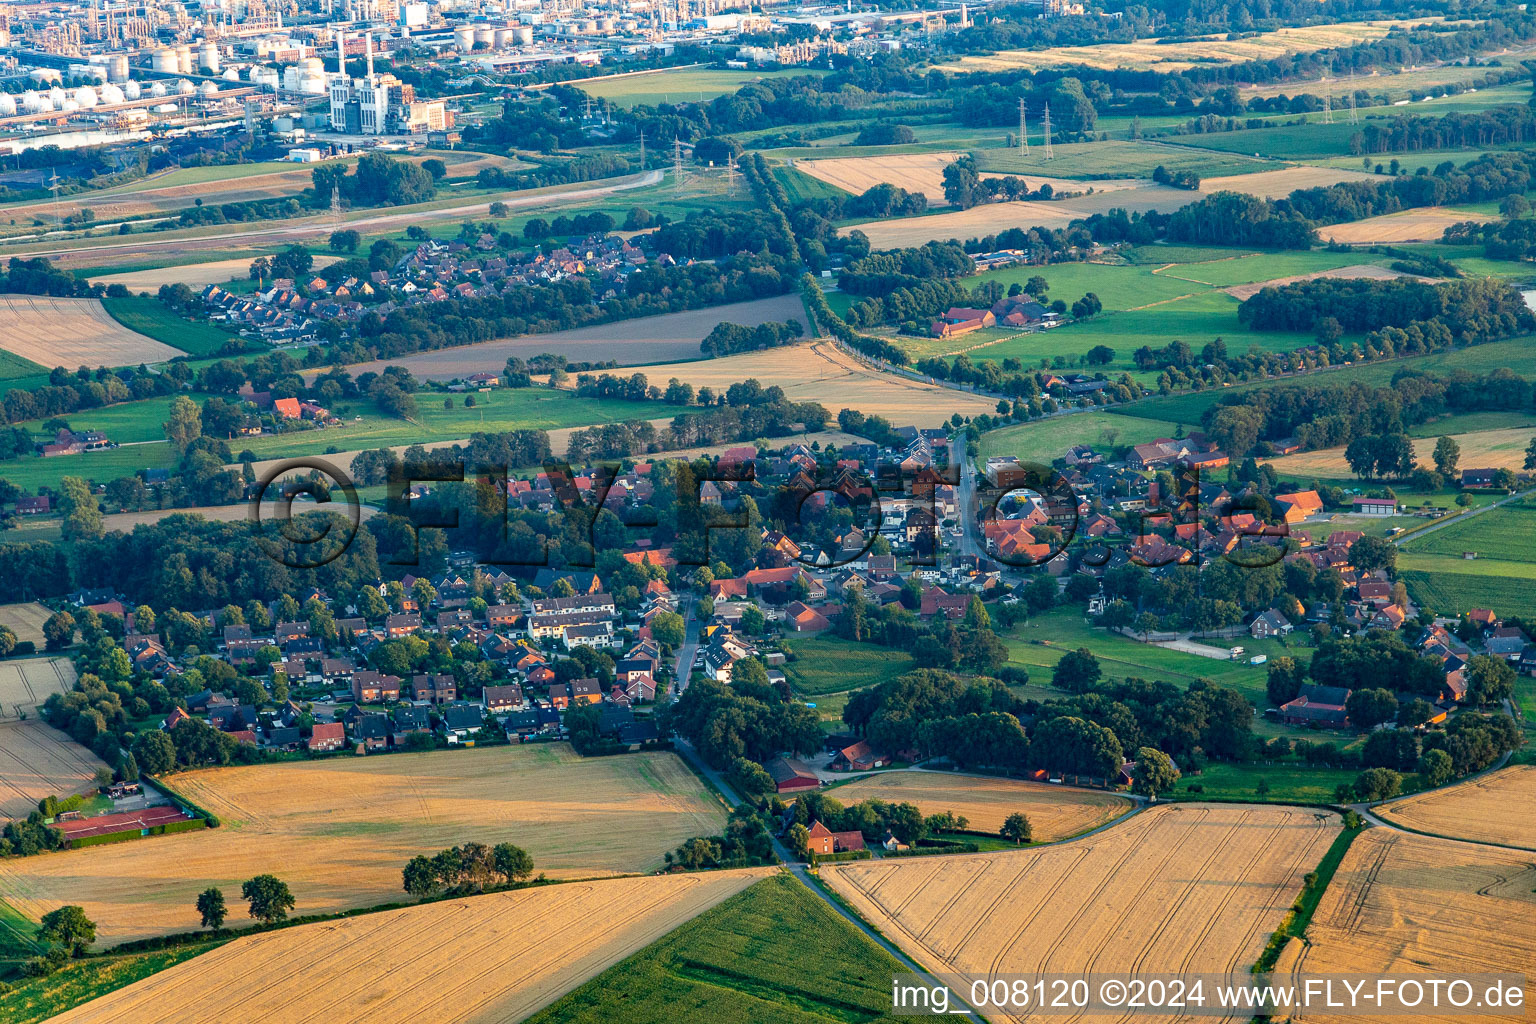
(1153,54)
(1425,224)
(924,172)
(1178,888)
(1281,183)
(1048,439)
(1357,272)
(670,336)
(1506,533)
(47,332)
(25,619)
(1054,812)
(772,953)
(36,760)
(820,372)
(1407,904)
(1112,159)
(340,831)
(831,664)
(1498,808)
(1450,586)
(990,218)
(683,85)
(504,956)
(34,1000)
(1225,268)
(193,275)
(26,682)
(1492,449)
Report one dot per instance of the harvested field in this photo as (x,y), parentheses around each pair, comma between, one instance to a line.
(821,372)
(1177,889)
(1426,224)
(36,760)
(1412,905)
(1054,812)
(26,683)
(25,620)
(1363,271)
(72,332)
(501,956)
(1491,449)
(671,336)
(993,217)
(921,172)
(1497,808)
(339,831)
(1281,183)
(193,275)
(1152,54)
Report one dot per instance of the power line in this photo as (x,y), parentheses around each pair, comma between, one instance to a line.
(1023,128)
(1049,155)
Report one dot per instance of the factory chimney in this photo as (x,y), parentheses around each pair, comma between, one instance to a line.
(368,48)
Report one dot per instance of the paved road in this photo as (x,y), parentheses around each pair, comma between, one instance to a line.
(690,645)
(376,222)
(1463,517)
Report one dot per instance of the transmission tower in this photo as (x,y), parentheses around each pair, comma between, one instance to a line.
(642,149)
(1023,128)
(1328,105)
(1048,154)
(730,177)
(335,208)
(677,164)
(1353,116)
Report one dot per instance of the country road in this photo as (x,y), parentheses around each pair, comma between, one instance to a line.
(319,227)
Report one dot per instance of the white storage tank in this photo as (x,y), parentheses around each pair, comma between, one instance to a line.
(208,57)
(132,90)
(70,106)
(207,89)
(231,75)
(157,89)
(164,62)
(185,88)
(505,37)
(111,94)
(522,35)
(314,64)
(485,37)
(184,62)
(57,96)
(7,104)
(85,96)
(31,103)
(464,39)
(117,68)
(313,83)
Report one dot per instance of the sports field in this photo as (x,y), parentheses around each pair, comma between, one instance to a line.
(1498,808)
(821,372)
(1403,904)
(501,956)
(339,831)
(72,332)
(26,682)
(1054,812)
(1183,888)
(36,760)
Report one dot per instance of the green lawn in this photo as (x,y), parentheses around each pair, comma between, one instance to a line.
(1223,272)
(684,85)
(1048,439)
(800,186)
(150,317)
(1118,287)
(1468,422)
(1115,159)
(1506,533)
(38,999)
(1288,783)
(123,423)
(774,952)
(830,664)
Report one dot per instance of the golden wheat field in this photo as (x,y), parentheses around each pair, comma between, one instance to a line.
(1183,888)
(25,619)
(36,760)
(193,275)
(25,683)
(1492,449)
(1426,224)
(990,218)
(1496,808)
(821,372)
(1281,183)
(1364,271)
(478,960)
(1054,812)
(72,332)
(340,831)
(1413,905)
(922,172)
(1148,54)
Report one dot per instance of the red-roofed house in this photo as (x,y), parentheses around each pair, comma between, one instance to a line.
(288,408)
(825,842)
(327,736)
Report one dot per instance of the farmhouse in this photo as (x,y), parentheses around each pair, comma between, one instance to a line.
(790,774)
(1269,623)
(858,758)
(959,320)
(1323,705)
(1297,506)
(825,842)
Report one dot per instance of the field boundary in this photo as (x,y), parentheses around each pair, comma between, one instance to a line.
(1294,924)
